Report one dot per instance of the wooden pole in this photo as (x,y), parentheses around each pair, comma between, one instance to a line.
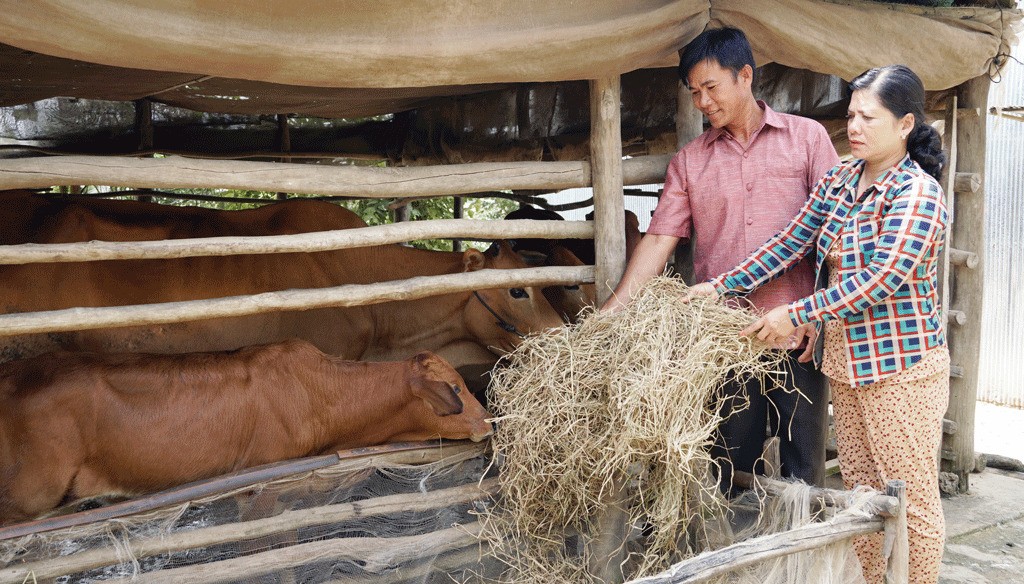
(895,546)
(457,211)
(351,181)
(966,285)
(28,253)
(606,169)
(608,548)
(689,125)
(348,295)
(707,565)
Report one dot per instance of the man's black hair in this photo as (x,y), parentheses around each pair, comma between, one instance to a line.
(726,46)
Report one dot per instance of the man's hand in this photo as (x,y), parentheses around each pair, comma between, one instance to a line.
(774,328)
(702,289)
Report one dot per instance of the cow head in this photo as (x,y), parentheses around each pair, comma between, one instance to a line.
(569,300)
(498,318)
(445,408)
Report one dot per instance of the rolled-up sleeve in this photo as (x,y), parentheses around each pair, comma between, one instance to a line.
(672,215)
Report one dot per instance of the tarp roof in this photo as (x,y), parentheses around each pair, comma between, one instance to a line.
(349,58)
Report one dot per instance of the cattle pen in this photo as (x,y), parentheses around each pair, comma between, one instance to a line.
(296,521)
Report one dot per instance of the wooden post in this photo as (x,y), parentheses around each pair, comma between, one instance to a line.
(896,547)
(457,210)
(606,178)
(965,284)
(608,549)
(144,131)
(284,143)
(689,125)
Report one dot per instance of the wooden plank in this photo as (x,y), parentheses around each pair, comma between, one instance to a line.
(707,565)
(98,557)
(351,181)
(27,253)
(303,299)
(882,505)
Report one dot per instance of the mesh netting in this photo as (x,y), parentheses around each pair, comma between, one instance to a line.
(365,520)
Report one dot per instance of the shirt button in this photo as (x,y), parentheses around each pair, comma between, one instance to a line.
(746,155)
(750,186)
(750,221)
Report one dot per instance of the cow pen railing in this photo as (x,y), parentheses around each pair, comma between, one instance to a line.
(882,513)
(351,181)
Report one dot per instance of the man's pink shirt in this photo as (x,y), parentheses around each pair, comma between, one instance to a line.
(732,199)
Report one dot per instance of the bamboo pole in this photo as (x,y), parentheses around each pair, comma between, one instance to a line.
(373,554)
(28,253)
(351,181)
(339,296)
(248,530)
(745,553)
(967,285)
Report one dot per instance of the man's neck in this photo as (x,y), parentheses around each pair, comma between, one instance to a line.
(744,128)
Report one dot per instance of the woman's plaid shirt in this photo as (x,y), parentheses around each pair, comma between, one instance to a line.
(889,243)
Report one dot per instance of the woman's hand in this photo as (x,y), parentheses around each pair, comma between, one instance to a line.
(702,289)
(774,328)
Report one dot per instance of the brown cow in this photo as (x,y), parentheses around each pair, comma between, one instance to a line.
(460,327)
(85,424)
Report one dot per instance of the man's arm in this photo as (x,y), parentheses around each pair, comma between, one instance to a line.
(647,261)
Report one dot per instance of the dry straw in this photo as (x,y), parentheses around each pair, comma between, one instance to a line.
(634,394)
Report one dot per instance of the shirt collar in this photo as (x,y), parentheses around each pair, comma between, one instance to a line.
(855,173)
(770,118)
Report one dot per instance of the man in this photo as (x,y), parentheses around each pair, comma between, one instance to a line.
(729,190)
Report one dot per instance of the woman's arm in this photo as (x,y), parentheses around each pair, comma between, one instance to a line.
(916,219)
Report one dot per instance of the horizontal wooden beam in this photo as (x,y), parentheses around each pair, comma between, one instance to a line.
(348,295)
(304,242)
(967,182)
(707,565)
(949,427)
(959,257)
(352,181)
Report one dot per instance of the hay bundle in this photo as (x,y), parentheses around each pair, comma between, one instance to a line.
(632,397)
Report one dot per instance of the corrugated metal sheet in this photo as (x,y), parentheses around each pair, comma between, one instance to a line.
(1001,375)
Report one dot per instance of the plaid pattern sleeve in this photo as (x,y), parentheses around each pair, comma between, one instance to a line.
(914,221)
(784,250)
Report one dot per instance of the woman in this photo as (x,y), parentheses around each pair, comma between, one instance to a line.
(877,225)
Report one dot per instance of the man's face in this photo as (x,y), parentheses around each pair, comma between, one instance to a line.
(718,92)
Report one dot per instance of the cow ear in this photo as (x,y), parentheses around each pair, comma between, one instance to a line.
(473,260)
(440,397)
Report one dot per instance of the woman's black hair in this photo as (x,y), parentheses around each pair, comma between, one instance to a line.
(726,46)
(901,92)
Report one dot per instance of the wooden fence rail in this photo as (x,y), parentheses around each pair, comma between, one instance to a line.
(353,181)
(348,295)
(27,253)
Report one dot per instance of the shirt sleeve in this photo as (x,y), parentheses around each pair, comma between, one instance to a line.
(783,251)
(673,214)
(915,220)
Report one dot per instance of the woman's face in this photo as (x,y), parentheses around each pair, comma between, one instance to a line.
(875,134)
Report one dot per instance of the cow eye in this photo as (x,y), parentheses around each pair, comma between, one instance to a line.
(574,287)
(455,389)
(518,293)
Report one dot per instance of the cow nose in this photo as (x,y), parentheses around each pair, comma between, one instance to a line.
(479,437)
